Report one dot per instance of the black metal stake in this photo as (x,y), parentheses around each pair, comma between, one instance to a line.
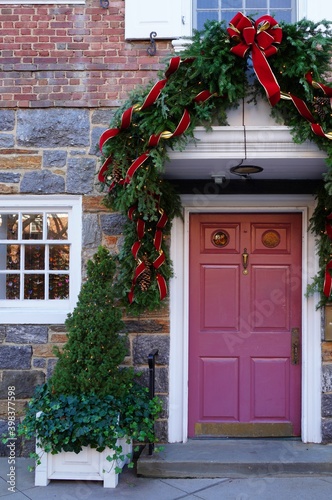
(152,364)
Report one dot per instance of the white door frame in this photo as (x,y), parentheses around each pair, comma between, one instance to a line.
(311,318)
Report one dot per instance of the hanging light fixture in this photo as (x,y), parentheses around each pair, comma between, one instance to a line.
(244,170)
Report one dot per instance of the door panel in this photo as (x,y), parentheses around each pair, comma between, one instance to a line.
(245,299)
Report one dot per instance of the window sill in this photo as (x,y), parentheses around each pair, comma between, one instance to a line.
(12,316)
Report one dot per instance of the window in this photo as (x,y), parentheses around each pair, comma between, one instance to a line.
(40,245)
(225,10)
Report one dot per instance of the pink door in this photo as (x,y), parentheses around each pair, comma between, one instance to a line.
(245,325)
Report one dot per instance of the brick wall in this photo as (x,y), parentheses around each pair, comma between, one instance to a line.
(70,56)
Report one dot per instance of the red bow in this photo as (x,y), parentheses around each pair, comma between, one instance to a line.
(260,37)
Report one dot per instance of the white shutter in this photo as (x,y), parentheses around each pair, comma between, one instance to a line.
(168,18)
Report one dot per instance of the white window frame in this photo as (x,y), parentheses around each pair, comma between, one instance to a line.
(47,311)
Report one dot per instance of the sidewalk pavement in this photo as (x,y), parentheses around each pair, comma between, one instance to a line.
(292,487)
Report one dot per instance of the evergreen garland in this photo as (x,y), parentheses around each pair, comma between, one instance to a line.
(207,64)
(323,244)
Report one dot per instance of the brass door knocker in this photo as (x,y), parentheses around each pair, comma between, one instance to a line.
(245,258)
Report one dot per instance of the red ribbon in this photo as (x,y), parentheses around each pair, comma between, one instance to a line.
(304,111)
(327,90)
(261,38)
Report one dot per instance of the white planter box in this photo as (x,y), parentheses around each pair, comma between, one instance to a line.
(88,465)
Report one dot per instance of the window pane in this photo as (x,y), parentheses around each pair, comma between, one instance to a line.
(277,4)
(34,286)
(228,15)
(8,226)
(232,4)
(12,286)
(9,257)
(58,286)
(202,17)
(32,226)
(34,257)
(59,257)
(256,4)
(285,16)
(207,4)
(57,226)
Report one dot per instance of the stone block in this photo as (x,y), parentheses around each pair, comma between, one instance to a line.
(164,400)
(161,379)
(144,344)
(23,381)
(9,177)
(58,338)
(102,116)
(4,189)
(161,431)
(27,334)
(146,326)
(91,230)
(51,128)
(43,350)
(327,351)
(326,430)
(2,333)
(327,377)
(23,447)
(81,175)
(20,406)
(94,204)
(54,158)
(14,357)
(42,182)
(28,162)
(50,367)
(39,363)
(95,136)
(7,119)
(6,141)
(112,224)
(327,405)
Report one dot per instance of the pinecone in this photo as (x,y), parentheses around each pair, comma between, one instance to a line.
(144,279)
(116,173)
(320,104)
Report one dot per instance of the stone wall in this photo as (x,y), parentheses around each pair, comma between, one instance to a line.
(53,151)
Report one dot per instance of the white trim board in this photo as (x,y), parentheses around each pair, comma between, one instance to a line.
(311,320)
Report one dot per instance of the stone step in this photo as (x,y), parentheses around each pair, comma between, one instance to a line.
(236,458)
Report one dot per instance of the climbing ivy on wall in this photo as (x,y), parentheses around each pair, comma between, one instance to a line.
(212,75)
